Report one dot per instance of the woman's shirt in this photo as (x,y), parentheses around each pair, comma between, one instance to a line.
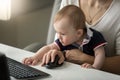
(108,24)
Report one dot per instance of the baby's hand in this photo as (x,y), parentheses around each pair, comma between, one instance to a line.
(30,61)
(87,65)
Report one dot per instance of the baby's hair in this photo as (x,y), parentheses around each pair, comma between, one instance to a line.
(75,14)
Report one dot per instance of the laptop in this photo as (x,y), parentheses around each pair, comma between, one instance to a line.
(10,67)
(4,72)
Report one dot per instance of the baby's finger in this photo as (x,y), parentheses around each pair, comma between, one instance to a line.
(34,62)
(88,65)
(24,60)
(43,60)
(84,65)
(27,61)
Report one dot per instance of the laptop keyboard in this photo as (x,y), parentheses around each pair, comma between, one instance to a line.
(21,71)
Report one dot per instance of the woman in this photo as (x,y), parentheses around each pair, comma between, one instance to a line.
(102,15)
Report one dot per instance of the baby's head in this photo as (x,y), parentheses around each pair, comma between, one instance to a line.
(69,24)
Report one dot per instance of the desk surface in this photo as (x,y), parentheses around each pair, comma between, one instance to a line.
(68,71)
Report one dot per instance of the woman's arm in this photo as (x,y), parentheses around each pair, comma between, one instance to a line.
(111,64)
(78,57)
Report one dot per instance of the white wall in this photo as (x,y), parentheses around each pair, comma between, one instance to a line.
(25,29)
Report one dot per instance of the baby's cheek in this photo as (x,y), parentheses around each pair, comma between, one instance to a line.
(67,42)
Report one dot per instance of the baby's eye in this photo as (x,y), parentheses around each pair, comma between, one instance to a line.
(62,34)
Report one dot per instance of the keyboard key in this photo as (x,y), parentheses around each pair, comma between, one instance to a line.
(21,71)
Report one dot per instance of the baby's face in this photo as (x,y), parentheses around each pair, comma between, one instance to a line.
(66,33)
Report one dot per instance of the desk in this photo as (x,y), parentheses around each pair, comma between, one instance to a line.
(68,71)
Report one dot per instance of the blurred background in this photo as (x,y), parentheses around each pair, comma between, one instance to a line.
(28,22)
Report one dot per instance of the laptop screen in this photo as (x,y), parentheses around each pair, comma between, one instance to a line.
(4,72)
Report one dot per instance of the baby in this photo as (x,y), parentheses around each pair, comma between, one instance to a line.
(72,33)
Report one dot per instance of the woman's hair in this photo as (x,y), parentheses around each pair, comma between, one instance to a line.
(75,14)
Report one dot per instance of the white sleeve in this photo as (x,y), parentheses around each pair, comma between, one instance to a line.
(63,3)
(69,2)
(118,43)
(55,36)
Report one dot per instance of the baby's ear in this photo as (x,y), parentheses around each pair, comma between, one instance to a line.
(80,32)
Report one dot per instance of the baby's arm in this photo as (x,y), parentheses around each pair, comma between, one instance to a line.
(33,60)
(99,57)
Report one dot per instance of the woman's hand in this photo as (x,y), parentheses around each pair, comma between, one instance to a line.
(50,56)
(78,57)
(74,56)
